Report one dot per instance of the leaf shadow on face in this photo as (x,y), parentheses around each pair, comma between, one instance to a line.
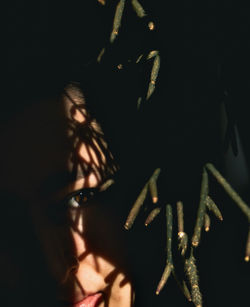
(101,232)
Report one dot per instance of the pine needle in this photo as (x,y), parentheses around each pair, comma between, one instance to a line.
(138,8)
(207,222)
(169,263)
(213,208)
(154,75)
(230,191)
(201,209)
(153,186)
(182,236)
(152,215)
(136,207)
(117,20)
(192,274)
(247,256)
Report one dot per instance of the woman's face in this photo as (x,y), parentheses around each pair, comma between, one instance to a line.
(60,172)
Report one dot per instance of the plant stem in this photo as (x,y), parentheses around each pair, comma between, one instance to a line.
(192,274)
(136,207)
(248,246)
(201,209)
(212,207)
(169,263)
(152,215)
(138,8)
(117,20)
(231,192)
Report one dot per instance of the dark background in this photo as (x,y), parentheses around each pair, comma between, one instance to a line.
(204,49)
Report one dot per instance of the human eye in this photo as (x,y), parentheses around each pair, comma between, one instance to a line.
(60,211)
(79,199)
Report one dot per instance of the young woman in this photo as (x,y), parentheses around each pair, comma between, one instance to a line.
(73,161)
(59,180)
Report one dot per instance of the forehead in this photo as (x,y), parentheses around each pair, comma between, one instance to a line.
(53,143)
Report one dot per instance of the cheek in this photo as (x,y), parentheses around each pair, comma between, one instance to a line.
(99,234)
(79,243)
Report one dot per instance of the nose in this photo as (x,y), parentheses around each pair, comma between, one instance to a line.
(72,266)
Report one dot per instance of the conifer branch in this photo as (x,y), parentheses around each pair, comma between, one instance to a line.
(230,191)
(201,209)
(213,208)
(140,200)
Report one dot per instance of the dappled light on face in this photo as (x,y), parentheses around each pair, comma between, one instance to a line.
(98,267)
(90,156)
(78,115)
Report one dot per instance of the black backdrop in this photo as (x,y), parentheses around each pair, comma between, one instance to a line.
(204,54)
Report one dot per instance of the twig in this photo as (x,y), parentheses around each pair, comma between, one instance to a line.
(182,236)
(153,186)
(136,207)
(248,246)
(117,20)
(153,190)
(207,222)
(183,242)
(139,58)
(169,263)
(152,54)
(231,192)
(100,55)
(201,209)
(154,74)
(140,200)
(183,286)
(138,8)
(169,219)
(212,207)
(180,217)
(152,215)
(164,278)
(192,275)
(186,291)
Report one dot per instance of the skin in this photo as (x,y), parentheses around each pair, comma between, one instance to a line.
(54,148)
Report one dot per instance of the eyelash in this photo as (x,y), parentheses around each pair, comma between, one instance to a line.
(80,198)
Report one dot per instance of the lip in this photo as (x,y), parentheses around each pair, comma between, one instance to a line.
(91,300)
